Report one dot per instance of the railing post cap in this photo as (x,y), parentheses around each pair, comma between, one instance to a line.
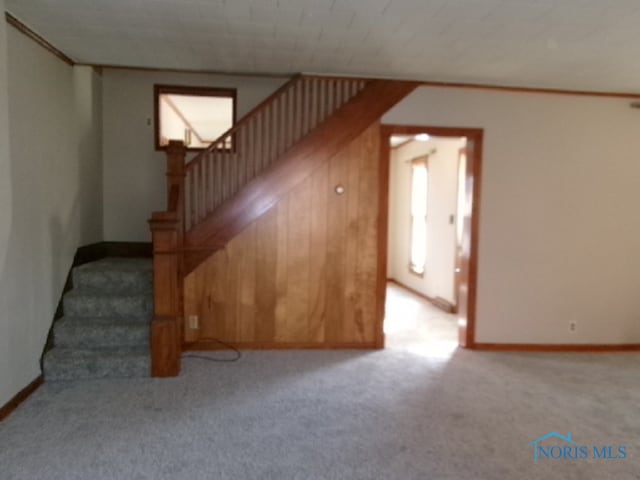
(175,146)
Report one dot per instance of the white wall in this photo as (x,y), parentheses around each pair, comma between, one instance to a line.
(438,280)
(558,220)
(8,385)
(51,197)
(134,173)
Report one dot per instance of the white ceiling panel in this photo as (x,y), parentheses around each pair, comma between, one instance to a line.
(573,44)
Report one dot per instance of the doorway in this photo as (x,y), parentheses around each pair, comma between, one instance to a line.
(435,254)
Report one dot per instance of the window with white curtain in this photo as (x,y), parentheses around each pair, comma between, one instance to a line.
(419,188)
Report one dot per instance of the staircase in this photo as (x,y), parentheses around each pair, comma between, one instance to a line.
(242,175)
(105,328)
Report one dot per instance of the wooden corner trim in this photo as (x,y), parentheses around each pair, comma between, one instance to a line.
(8,408)
(560,347)
(24,29)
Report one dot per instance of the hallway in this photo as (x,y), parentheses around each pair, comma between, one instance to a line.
(413,324)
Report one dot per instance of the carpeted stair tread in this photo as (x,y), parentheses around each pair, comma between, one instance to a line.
(105,330)
(90,302)
(112,362)
(80,332)
(115,274)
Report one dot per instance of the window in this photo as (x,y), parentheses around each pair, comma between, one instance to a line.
(419,186)
(462,200)
(195,115)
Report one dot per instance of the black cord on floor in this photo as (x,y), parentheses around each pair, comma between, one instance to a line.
(238,354)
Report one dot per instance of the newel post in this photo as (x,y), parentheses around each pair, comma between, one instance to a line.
(167,229)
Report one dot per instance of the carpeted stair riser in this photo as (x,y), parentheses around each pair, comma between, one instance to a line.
(95,333)
(135,276)
(74,364)
(106,324)
(93,303)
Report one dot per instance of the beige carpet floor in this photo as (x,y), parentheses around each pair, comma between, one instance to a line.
(407,412)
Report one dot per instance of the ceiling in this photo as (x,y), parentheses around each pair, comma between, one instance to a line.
(570,44)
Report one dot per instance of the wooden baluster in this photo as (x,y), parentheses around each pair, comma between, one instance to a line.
(242,156)
(197,174)
(218,180)
(251,144)
(196,192)
(274,130)
(315,104)
(305,107)
(187,200)
(284,122)
(323,100)
(332,95)
(273,122)
(345,92)
(257,148)
(209,182)
(215,175)
(224,175)
(203,189)
(227,152)
(355,88)
(277,105)
(229,175)
(315,95)
(266,144)
(297,118)
(194,203)
(335,85)
(291,117)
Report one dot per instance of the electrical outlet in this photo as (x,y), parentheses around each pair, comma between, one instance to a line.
(573,326)
(193,322)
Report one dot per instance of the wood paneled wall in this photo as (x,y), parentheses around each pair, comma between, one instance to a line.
(304,274)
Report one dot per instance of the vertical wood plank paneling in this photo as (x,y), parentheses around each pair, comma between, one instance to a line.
(352,292)
(217,322)
(246,281)
(266,261)
(234,254)
(317,312)
(280,280)
(194,293)
(336,240)
(303,274)
(298,254)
